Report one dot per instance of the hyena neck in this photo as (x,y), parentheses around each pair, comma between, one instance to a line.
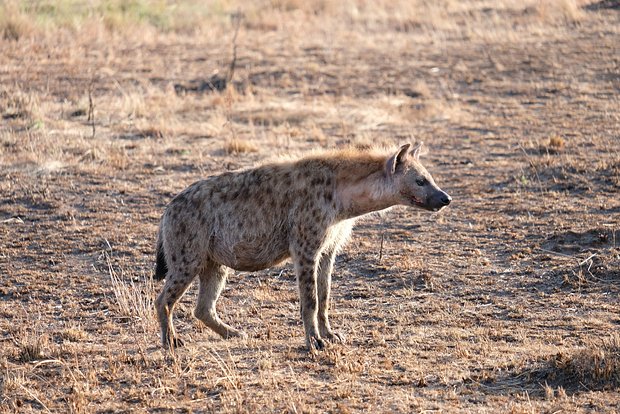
(365,196)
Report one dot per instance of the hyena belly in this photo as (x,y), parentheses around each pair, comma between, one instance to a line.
(247,251)
(246,232)
(241,220)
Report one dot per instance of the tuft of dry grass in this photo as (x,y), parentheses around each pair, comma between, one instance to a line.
(556,142)
(14,24)
(595,367)
(74,334)
(15,103)
(239,146)
(32,347)
(559,11)
(135,298)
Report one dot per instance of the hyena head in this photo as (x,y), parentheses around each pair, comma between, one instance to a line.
(413,184)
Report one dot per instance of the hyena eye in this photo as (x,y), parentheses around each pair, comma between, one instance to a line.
(421,181)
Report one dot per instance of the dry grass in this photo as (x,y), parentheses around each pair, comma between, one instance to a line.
(497,304)
(237,146)
(595,367)
(14,25)
(135,300)
(560,10)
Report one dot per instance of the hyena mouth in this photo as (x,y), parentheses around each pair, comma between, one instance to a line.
(413,199)
(416,202)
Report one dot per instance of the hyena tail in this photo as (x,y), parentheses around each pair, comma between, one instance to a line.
(161,268)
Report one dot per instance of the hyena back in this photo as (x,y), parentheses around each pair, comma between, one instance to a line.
(253,219)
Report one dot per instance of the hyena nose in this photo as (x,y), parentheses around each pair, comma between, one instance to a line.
(445,199)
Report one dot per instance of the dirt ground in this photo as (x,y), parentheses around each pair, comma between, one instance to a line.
(507,301)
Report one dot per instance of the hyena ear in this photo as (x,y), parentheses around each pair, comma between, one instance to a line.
(417,151)
(396,160)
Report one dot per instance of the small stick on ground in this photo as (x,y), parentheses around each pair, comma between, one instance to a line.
(236,17)
(91,106)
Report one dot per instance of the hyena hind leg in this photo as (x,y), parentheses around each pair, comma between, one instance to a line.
(212,282)
(176,284)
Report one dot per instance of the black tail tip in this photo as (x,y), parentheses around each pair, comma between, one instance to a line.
(161,268)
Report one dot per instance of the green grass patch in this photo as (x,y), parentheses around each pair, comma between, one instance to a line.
(18,19)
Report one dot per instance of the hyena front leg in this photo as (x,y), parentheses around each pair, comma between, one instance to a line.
(212,282)
(304,258)
(324,281)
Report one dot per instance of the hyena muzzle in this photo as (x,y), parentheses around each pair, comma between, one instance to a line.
(253,219)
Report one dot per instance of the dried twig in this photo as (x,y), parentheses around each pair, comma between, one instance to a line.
(91,106)
(13,220)
(586,260)
(568,256)
(236,17)
(381,246)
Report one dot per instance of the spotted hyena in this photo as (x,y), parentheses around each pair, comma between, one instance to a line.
(253,219)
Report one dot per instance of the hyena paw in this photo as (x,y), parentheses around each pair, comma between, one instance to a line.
(173,343)
(316,343)
(234,333)
(334,337)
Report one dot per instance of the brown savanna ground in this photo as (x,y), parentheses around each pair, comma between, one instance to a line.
(507,301)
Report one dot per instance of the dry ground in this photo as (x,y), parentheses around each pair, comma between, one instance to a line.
(505,302)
